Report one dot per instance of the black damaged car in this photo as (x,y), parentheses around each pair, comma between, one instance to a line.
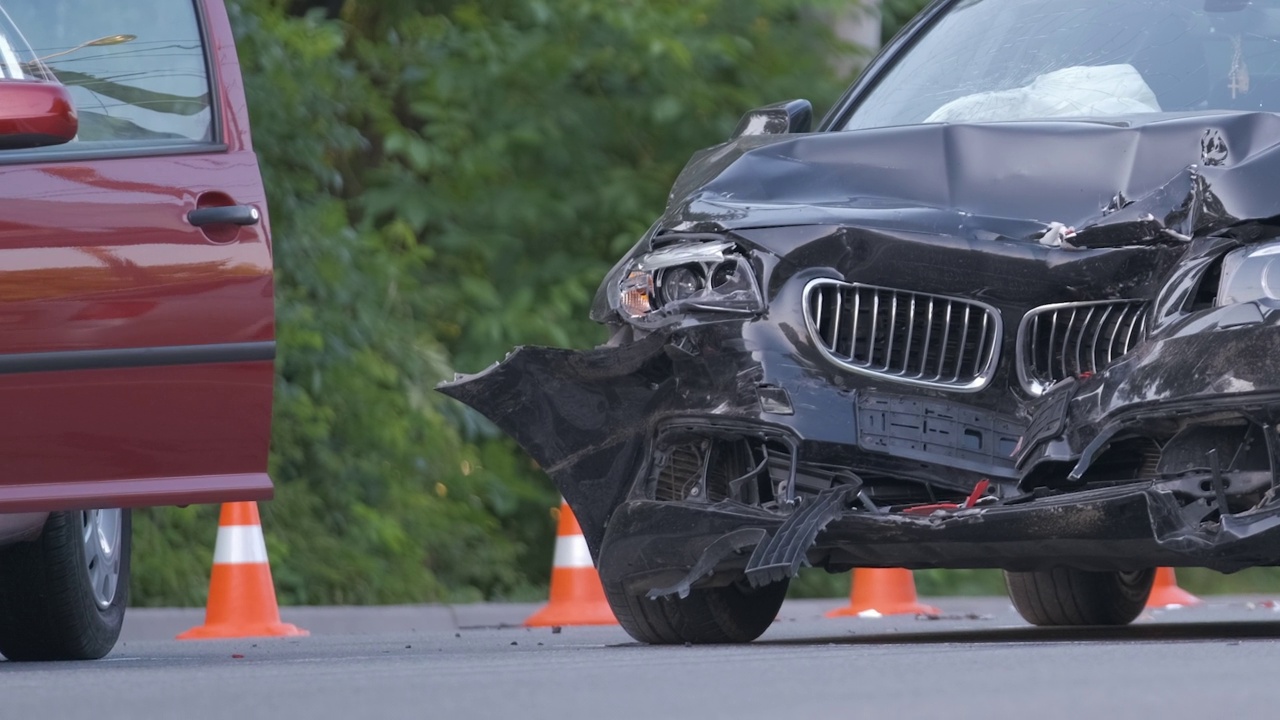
(1015,303)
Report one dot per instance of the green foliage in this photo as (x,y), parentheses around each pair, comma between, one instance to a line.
(896,13)
(448,180)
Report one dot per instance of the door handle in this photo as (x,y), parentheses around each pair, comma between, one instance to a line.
(225,215)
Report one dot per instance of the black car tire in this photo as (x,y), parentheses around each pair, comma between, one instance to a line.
(1066,596)
(48,608)
(730,614)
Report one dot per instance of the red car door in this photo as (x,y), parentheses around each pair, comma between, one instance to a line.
(136,313)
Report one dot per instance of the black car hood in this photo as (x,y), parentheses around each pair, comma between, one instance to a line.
(1146,179)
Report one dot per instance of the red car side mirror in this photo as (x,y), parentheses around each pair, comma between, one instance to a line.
(35,114)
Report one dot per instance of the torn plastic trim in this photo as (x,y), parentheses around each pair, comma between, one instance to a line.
(781,557)
(728,544)
(1185,413)
(1128,527)
(774,558)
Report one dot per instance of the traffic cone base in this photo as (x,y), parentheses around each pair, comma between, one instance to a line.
(577,597)
(211,632)
(1165,592)
(878,592)
(242,597)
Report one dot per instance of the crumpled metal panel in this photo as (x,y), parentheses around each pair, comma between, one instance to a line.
(1116,183)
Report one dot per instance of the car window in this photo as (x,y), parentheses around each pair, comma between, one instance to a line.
(17,61)
(136,70)
(998,60)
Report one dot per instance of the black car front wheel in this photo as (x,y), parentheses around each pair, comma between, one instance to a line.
(62,596)
(1066,596)
(733,613)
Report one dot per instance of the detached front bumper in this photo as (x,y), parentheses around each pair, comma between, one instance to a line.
(666,547)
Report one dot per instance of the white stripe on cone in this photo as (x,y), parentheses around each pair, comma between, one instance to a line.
(242,544)
(572,552)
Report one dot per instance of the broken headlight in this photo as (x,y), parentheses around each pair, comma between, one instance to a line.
(1251,274)
(712,277)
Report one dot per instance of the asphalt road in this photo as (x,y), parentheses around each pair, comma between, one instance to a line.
(977,661)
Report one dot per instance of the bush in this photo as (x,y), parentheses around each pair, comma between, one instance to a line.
(448,180)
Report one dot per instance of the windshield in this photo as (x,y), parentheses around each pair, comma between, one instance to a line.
(998,60)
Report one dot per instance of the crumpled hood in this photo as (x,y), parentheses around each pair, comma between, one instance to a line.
(1116,183)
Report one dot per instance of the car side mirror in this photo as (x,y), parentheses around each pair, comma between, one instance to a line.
(792,116)
(35,114)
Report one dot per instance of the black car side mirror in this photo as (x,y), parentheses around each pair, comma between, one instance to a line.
(792,116)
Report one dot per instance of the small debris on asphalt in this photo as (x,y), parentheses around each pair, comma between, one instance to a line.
(406,647)
(513,642)
(963,616)
(457,634)
(237,656)
(555,629)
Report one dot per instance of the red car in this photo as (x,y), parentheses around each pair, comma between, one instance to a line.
(135,300)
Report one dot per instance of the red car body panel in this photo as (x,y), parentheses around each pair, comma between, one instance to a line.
(137,363)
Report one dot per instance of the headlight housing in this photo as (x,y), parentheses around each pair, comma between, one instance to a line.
(705,277)
(1251,274)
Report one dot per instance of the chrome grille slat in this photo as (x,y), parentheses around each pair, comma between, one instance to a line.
(982,346)
(1084,328)
(912,337)
(911,331)
(964,335)
(1053,334)
(820,308)
(875,321)
(857,309)
(1115,335)
(893,324)
(946,335)
(1066,341)
(1133,322)
(834,329)
(1097,333)
(928,332)
(1076,339)
(1035,338)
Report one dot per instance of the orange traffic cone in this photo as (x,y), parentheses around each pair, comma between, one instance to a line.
(577,597)
(242,598)
(1165,593)
(883,591)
